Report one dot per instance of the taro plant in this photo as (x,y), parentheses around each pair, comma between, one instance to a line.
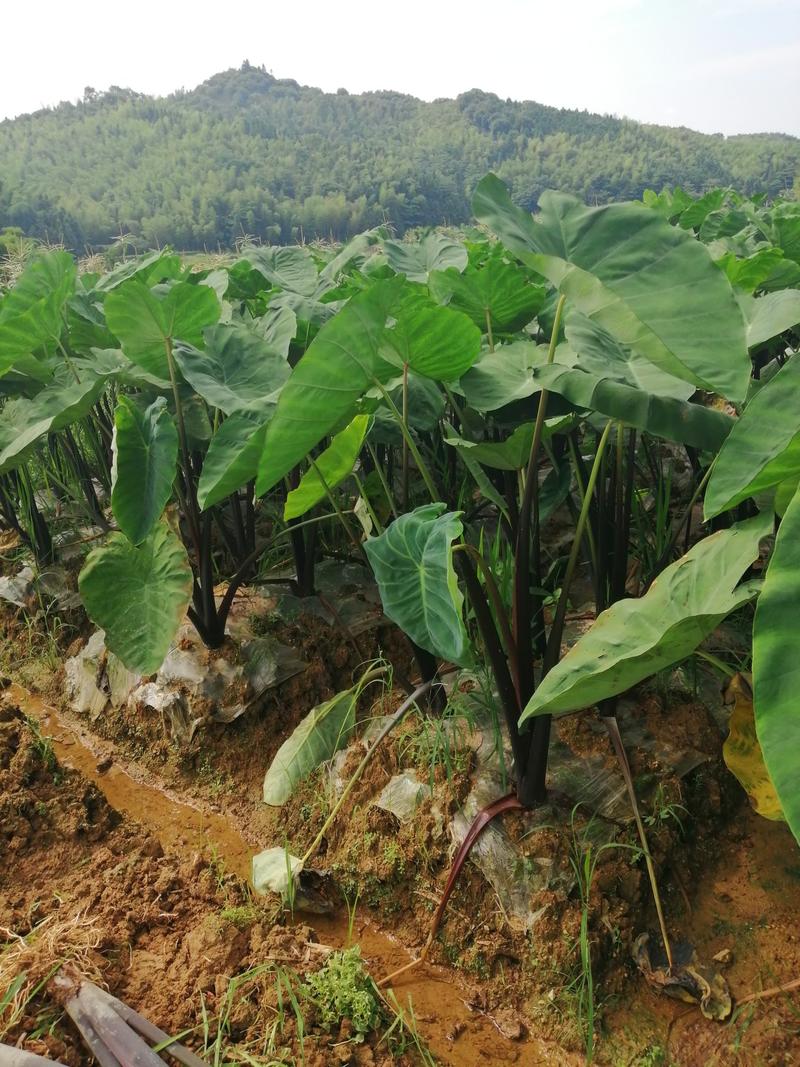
(639,325)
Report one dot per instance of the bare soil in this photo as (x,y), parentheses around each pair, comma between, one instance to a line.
(492,992)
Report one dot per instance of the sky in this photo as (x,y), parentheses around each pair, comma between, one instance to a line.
(720,66)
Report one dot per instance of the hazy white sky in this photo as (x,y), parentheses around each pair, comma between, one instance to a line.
(730,66)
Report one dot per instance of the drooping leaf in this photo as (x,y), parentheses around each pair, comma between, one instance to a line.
(328,470)
(634,639)
(509,455)
(151,268)
(145,458)
(763,448)
(115,365)
(663,416)
(417,259)
(413,565)
(499,289)
(597,352)
(652,286)
(341,364)
(30,312)
(742,752)
(352,253)
(138,594)
(770,315)
(51,410)
(776,666)
(145,322)
(237,372)
(434,341)
(327,728)
(232,457)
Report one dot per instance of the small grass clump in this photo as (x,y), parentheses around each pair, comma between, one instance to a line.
(342,989)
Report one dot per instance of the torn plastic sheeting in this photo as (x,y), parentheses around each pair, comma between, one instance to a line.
(514,877)
(95,678)
(28,590)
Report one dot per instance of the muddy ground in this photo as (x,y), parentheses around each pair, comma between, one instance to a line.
(493,992)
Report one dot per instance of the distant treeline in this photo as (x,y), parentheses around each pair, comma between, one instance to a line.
(246,154)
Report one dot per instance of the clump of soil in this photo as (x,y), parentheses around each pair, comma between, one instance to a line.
(177,938)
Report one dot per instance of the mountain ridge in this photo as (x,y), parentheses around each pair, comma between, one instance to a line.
(248,154)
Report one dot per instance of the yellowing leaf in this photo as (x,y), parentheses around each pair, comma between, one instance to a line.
(742,752)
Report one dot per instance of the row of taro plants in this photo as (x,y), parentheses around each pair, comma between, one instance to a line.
(432,408)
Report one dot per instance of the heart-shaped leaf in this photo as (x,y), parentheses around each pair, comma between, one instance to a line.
(146,323)
(413,565)
(237,372)
(138,594)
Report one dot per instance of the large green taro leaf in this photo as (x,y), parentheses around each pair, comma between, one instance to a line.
(232,457)
(663,416)
(416,260)
(51,410)
(238,371)
(763,448)
(501,377)
(770,315)
(328,470)
(146,323)
(138,594)
(145,457)
(652,286)
(597,352)
(151,268)
(340,365)
(31,312)
(499,290)
(278,327)
(434,341)
(634,639)
(750,272)
(327,728)
(776,666)
(413,565)
(291,269)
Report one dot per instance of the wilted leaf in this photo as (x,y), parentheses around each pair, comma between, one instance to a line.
(776,666)
(742,752)
(327,728)
(272,870)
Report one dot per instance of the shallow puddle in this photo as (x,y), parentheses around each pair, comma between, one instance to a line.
(454,1032)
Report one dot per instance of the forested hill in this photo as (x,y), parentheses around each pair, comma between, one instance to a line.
(245,153)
